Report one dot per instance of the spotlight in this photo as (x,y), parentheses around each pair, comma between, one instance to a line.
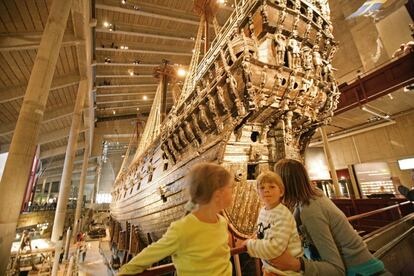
(106,24)
(123,2)
(113,112)
(181,72)
(145,98)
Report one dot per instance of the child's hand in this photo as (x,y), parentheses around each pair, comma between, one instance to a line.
(244,243)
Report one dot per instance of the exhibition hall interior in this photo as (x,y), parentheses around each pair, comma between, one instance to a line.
(206,137)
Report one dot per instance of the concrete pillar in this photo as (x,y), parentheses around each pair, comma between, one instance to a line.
(331,165)
(43,186)
(66,180)
(23,144)
(95,190)
(79,201)
(49,191)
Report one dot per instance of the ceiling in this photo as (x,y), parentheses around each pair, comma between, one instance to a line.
(130,39)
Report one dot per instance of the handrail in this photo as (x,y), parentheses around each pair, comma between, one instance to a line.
(368,214)
(158,270)
(153,271)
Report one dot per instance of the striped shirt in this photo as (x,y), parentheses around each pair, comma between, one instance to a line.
(277,230)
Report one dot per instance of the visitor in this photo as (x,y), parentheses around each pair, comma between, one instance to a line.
(276,231)
(198,242)
(332,246)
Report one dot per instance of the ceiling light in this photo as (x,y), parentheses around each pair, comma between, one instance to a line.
(375,113)
(221,1)
(106,24)
(113,112)
(193,50)
(181,72)
(123,2)
(131,73)
(137,108)
(144,98)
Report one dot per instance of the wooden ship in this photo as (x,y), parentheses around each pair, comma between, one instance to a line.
(257,95)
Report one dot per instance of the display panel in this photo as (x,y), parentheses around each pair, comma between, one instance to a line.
(406,164)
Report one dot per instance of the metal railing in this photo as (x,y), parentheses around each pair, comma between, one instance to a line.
(162,269)
(371,213)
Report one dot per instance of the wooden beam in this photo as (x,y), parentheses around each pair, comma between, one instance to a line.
(73,179)
(142,51)
(128,85)
(141,34)
(59,163)
(49,116)
(137,76)
(48,137)
(127,64)
(29,41)
(59,151)
(147,14)
(124,94)
(15,93)
(54,173)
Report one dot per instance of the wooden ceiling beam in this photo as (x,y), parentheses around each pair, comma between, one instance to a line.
(125,76)
(15,93)
(129,101)
(147,14)
(127,85)
(141,34)
(48,137)
(59,151)
(29,41)
(50,115)
(127,64)
(55,164)
(142,51)
(76,170)
(123,94)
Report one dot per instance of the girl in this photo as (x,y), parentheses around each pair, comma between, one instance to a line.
(198,243)
(339,250)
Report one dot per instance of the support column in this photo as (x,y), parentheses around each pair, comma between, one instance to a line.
(328,157)
(23,145)
(95,189)
(49,191)
(44,185)
(65,182)
(79,202)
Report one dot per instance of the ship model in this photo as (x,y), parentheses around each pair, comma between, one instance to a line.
(256,96)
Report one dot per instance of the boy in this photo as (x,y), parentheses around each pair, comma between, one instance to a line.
(276,226)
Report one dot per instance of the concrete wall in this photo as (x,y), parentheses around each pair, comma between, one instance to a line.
(386,144)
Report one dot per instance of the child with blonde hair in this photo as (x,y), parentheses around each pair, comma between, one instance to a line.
(276,226)
(198,242)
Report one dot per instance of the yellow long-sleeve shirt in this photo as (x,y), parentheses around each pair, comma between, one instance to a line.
(196,247)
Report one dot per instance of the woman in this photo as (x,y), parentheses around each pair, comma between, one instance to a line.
(329,239)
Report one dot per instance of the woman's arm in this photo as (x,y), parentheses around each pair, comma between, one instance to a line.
(331,261)
(318,228)
(164,247)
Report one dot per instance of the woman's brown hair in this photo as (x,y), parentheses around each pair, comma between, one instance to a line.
(298,188)
(204,179)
